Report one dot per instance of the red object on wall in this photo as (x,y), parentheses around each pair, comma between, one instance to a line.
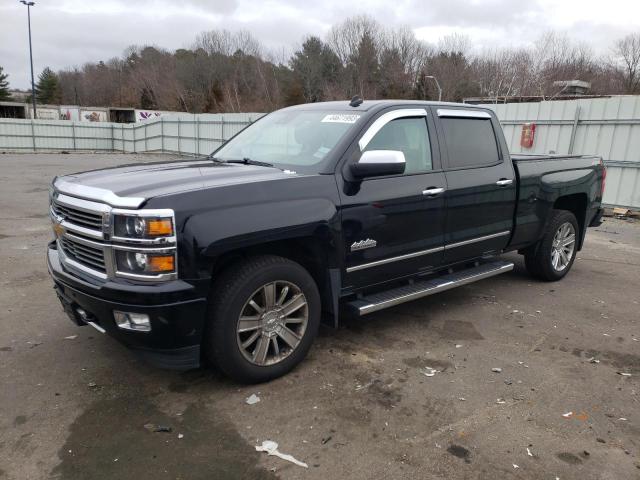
(528,135)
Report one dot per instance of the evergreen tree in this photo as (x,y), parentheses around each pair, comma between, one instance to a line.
(4,86)
(364,68)
(48,88)
(316,67)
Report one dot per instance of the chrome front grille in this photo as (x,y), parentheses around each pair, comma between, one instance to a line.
(84,230)
(77,216)
(84,253)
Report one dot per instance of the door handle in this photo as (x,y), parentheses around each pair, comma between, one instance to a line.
(503,182)
(433,191)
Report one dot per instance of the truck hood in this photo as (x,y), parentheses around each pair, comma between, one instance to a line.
(131,185)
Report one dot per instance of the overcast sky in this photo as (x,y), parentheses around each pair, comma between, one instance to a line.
(71,32)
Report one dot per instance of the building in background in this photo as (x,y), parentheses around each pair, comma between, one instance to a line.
(15,109)
(567,90)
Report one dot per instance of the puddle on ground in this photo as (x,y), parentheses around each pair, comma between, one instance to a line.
(109,440)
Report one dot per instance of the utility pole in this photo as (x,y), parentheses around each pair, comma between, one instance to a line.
(33,85)
(437,85)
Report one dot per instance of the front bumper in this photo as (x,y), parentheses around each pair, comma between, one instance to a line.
(177,311)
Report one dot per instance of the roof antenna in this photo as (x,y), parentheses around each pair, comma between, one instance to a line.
(356,101)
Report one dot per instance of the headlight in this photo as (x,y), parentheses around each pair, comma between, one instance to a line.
(143,226)
(133,263)
(146,244)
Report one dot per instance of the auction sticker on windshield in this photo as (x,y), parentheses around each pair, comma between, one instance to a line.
(340,118)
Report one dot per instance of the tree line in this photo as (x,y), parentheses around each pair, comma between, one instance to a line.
(232,72)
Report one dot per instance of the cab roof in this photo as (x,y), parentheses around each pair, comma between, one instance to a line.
(367,105)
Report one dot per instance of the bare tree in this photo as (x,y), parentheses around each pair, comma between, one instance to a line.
(346,37)
(227,71)
(455,43)
(627,51)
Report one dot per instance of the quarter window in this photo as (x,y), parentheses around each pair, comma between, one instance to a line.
(470,142)
(410,136)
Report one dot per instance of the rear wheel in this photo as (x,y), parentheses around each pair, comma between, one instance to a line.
(263,316)
(553,256)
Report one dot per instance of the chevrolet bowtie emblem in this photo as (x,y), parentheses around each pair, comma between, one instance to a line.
(58,229)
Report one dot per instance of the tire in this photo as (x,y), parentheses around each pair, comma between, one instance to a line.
(544,261)
(287,295)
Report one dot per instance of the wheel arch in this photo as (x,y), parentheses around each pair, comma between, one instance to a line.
(575,203)
(310,252)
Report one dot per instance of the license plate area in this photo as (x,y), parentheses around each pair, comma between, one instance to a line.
(71,308)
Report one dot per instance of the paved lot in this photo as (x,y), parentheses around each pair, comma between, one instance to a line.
(360,406)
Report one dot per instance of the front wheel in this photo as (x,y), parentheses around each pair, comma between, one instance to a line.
(263,316)
(552,258)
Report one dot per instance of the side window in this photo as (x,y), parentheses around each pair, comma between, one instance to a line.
(471,142)
(410,136)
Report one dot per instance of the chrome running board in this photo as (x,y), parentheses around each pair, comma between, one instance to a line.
(422,288)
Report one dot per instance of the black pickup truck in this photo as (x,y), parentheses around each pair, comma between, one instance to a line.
(311,211)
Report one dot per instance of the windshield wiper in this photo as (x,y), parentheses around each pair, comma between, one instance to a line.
(248,161)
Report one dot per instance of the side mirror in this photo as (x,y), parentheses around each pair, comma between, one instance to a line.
(376,163)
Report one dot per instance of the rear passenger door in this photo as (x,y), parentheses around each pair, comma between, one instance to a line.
(481,186)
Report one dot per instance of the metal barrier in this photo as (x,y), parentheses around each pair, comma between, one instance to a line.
(608,127)
(185,135)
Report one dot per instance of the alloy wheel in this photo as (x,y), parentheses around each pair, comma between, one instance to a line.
(272,323)
(564,242)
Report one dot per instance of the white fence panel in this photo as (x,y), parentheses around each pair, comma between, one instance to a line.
(183,134)
(608,127)
(17,136)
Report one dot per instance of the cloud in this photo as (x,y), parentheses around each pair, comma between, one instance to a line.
(72,32)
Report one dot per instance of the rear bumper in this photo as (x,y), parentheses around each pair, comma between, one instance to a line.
(176,311)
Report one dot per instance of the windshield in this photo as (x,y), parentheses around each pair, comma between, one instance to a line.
(295,139)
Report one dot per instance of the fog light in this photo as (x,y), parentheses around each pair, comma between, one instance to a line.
(132,321)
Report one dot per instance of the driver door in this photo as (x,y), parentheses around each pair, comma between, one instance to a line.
(393,226)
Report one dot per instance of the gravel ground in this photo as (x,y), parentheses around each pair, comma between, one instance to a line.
(74,403)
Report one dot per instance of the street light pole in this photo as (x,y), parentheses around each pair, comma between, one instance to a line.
(437,85)
(33,85)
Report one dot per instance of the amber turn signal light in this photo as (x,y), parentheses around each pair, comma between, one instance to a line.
(159,227)
(161,263)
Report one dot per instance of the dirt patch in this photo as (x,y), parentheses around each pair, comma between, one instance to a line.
(383,394)
(37,190)
(569,458)
(354,414)
(109,440)
(190,380)
(35,276)
(460,452)
(19,420)
(374,330)
(621,361)
(437,413)
(421,362)
(459,330)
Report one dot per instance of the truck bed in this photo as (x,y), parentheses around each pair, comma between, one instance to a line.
(542,179)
